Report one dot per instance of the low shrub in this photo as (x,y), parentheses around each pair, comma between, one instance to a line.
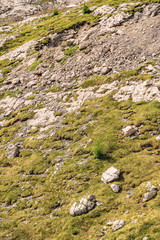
(98,150)
(86,9)
(55,12)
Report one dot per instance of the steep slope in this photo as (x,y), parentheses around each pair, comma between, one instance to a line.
(80,123)
(15,9)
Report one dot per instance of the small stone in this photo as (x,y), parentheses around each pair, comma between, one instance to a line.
(151,192)
(129,130)
(59,56)
(117,225)
(84,45)
(115,187)
(12,151)
(110,175)
(149,195)
(105,70)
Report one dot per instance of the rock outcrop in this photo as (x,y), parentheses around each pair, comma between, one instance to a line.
(21,8)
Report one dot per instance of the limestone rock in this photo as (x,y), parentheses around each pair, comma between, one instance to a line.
(115,20)
(117,225)
(151,10)
(20,52)
(105,70)
(85,205)
(149,195)
(129,130)
(42,116)
(115,187)
(110,175)
(59,56)
(103,10)
(12,151)
(22,8)
(151,192)
(84,45)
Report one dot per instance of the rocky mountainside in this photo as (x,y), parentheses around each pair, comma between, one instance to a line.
(19,9)
(79,120)
(15,9)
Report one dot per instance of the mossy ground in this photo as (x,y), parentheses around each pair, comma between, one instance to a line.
(43,200)
(122,76)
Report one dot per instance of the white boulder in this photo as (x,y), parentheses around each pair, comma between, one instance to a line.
(115,187)
(117,225)
(129,130)
(110,175)
(85,205)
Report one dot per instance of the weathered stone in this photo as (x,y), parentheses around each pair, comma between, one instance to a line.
(12,151)
(141,91)
(149,195)
(85,205)
(129,130)
(151,10)
(115,187)
(41,117)
(84,45)
(105,70)
(117,225)
(116,20)
(22,8)
(20,52)
(103,10)
(59,56)
(151,192)
(110,175)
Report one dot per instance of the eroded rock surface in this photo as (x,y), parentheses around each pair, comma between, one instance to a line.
(129,130)
(110,175)
(151,192)
(12,151)
(115,187)
(117,225)
(85,205)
